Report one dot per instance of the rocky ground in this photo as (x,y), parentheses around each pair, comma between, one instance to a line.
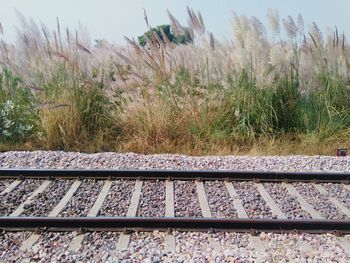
(190,246)
(56,159)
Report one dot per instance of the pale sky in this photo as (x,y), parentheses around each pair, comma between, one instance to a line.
(113,19)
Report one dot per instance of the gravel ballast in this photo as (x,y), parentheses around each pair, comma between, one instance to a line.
(10,243)
(98,247)
(48,199)
(51,247)
(4,184)
(118,199)
(288,204)
(319,202)
(83,199)
(152,200)
(190,246)
(339,192)
(10,201)
(60,160)
(186,202)
(219,200)
(253,203)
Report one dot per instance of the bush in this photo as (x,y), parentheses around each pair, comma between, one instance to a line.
(14,126)
(17,113)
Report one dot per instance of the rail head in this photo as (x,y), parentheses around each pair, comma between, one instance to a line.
(205,175)
(173,223)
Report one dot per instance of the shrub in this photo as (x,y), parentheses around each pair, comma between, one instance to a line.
(17,113)
(13,124)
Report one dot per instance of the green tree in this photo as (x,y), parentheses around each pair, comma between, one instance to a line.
(183,38)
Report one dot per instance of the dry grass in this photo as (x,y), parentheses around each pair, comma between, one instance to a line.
(255,94)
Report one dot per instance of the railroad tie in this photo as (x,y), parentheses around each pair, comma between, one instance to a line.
(29,242)
(12,186)
(346,186)
(170,242)
(255,241)
(100,199)
(259,248)
(236,201)
(32,239)
(276,211)
(203,202)
(305,247)
(169,199)
(124,238)
(344,243)
(333,200)
(77,240)
(30,199)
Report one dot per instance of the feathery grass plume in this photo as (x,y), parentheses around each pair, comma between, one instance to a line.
(300,25)
(315,34)
(273,17)
(201,21)
(46,33)
(165,38)
(238,30)
(258,28)
(195,21)
(59,33)
(83,48)
(212,41)
(68,36)
(290,27)
(1,29)
(176,27)
(145,17)
(59,54)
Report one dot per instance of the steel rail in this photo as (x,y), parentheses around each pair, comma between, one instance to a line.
(172,223)
(205,175)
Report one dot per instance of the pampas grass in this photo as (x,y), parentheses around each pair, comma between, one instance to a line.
(197,97)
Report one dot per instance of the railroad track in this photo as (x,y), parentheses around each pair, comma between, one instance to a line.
(132,201)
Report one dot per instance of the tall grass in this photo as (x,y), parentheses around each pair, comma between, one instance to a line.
(210,96)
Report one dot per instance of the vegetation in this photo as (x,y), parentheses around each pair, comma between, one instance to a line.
(162,32)
(258,93)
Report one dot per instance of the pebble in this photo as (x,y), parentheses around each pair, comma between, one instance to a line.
(190,247)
